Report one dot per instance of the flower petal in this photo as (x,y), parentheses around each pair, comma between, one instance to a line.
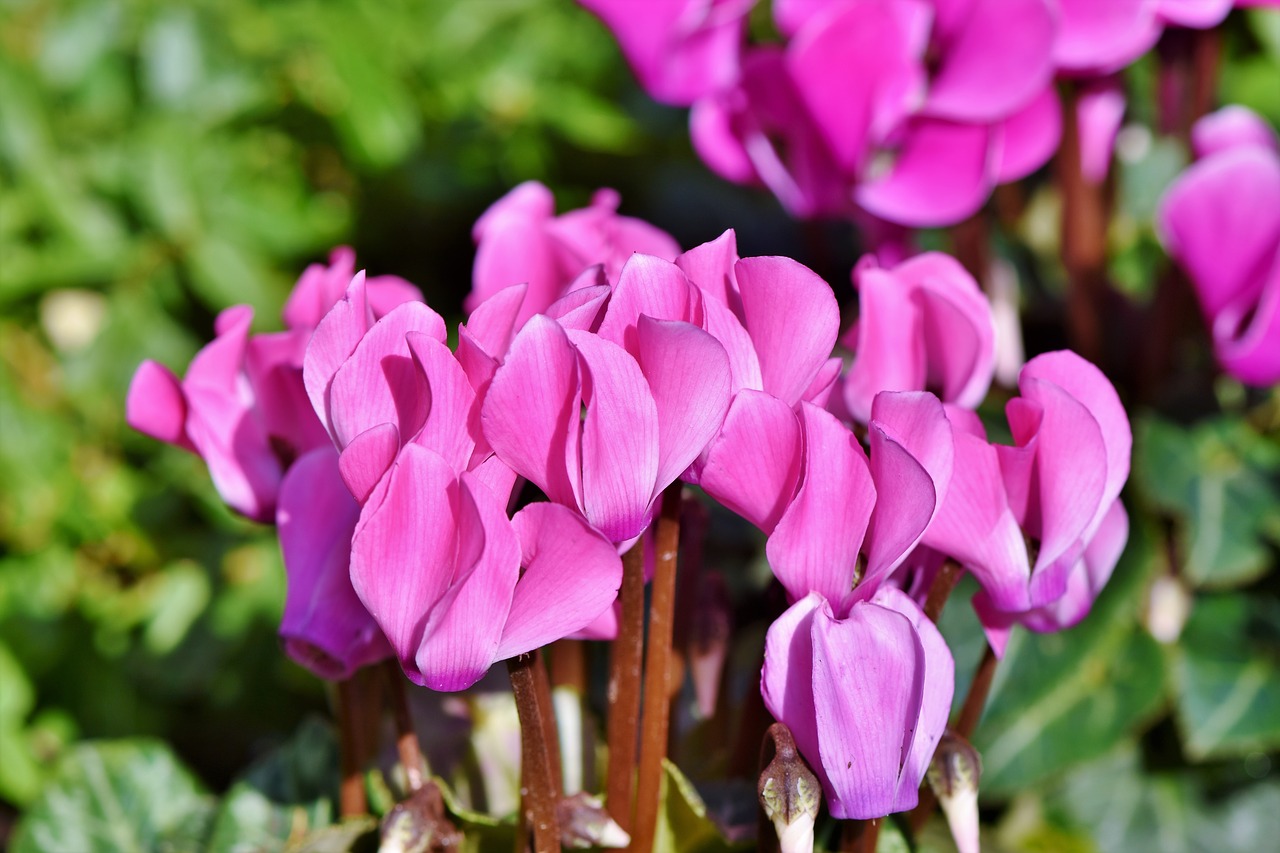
(452,422)
(1233,126)
(367,458)
(753,464)
(155,405)
(786,682)
(649,286)
(1031,136)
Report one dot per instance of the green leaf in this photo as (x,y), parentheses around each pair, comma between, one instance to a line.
(287,793)
(683,825)
(356,835)
(1063,698)
(1217,479)
(127,796)
(1227,676)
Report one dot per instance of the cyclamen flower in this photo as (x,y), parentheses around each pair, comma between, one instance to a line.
(855,669)
(519,240)
(925,324)
(1220,220)
(243,407)
(1039,524)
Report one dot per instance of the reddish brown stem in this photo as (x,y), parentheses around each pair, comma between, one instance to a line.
(624,688)
(946,580)
(539,797)
(407,746)
(1084,237)
(859,836)
(351,795)
(551,734)
(569,665)
(657,672)
(969,242)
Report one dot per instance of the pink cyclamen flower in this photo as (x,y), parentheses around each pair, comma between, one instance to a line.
(680,50)
(1039,523)
(924,324)
(1220,220)
(520,240)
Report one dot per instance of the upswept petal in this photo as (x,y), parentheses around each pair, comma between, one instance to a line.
(155,405)
(492,324)
(273,366)
(868,686)
(582,308)
(935,700)
(984,75)
(619,439)
(1233,126)
(814,547)
(532,411)
(512,248)
(786,682)
(404,548)
(976,527)
(957,327)
(318,289)
(1031,136)
(793,321)
(753,465)
(1197,14)
(379,383)
(452,423)
(1099,113)
(724,326)
(332,343)
(571,578)
(1228,200)
(462,631)
(688,375)
(1247,336)
(652,287)
(943,173)
(824,384)
(325,627)
(710,267)
(912,457)
(889,351)
(1101,37)
(367,457)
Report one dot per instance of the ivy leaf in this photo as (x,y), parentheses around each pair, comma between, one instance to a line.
(1227,676)
(126,796)
(1063,698)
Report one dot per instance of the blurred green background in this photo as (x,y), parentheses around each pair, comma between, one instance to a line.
(160,161)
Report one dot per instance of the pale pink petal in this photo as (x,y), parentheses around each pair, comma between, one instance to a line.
(492,324)
(753,465)
(367,457)
(983,74)
(688,375)
(1247,336)
(1031,136)
(619,439)
(793,321)
(943,174)
(318,289)
(868,683)
(1196,14)
(532,411)
(583,308)
(325,627)
(512,247)
(388,292)
(1233,126)
(155,405)
(724,326)
(402,552)
(1099,37)
(912,457)
(889,350)
(1099,112)
(814,547)
(452,422)
(273,366)
(824,384)
(649,286)
(571,578)
(334,340)
(461,635)
(710,267)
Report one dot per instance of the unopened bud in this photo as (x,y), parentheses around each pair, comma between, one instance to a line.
(419,824)
(789,793)
(585,823)
(953,776)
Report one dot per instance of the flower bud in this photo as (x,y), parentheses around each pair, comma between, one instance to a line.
(585,823)
(790,793)
(419,824)
(953,775)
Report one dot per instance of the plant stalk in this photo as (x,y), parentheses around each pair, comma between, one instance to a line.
(539,797)
(1084,237)
(407,745)
(624,688)
(351,794)
(657,672)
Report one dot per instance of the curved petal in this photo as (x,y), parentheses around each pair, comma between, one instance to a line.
(451,425)
(889,353)
(1196,14)
(1233,126)
(332,343)
(814,547)
(943,174)
(1099,113)
(793,321)
(325,627)
(155,405)
(984,75)
(512,247)
(786,682)
(619,439)
(531,413)
(1247,337)
(1031,136)
(753,464)
(1101,37)
(368,456)
(710,267)
(461,636)
(649,286)
(492,324)
(583,308)
(318,289)
(724,326)
(571,578)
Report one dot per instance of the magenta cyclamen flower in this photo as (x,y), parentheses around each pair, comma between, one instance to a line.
(1040,523)
(520,240)
(925,324)
(1220,220)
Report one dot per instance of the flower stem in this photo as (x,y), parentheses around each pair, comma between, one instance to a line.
(624,688)
(860,836)
(407,746)
(965,723)
(351,794)
(1084,236)
(657,672)
(537,789)
(946,580)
